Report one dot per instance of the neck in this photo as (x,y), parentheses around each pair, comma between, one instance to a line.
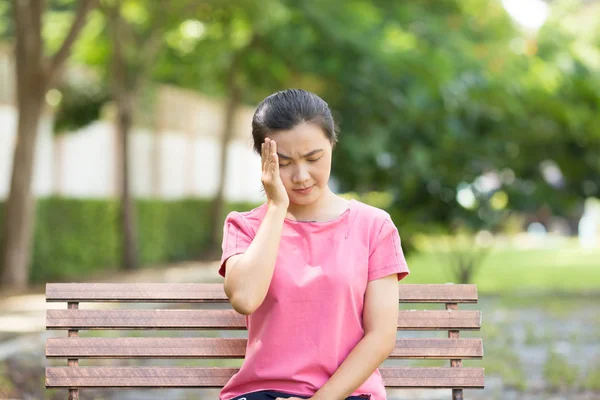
(307,212)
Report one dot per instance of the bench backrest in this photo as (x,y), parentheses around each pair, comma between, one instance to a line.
(73,348)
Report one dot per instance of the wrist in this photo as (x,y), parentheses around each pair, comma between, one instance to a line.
(322,394)
(275,208)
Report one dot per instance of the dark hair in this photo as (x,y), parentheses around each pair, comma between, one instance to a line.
(286,109)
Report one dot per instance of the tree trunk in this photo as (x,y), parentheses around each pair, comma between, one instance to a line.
(128,214)
(19,218)
(123,96)
(216,223)
(35,75)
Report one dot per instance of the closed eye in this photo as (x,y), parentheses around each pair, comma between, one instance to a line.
(310,161)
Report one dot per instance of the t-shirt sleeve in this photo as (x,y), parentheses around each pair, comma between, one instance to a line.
(237,237)
(386,256)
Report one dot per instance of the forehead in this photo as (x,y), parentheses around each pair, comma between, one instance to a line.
(301,139)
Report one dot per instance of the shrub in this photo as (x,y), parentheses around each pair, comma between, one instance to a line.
(77,237)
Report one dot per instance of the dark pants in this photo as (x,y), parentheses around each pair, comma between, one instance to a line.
(271,394)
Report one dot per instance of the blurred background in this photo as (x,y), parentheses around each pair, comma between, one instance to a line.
(125,140)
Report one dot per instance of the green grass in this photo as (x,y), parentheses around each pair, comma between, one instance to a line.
(566,269)
(592,381)
(559,373)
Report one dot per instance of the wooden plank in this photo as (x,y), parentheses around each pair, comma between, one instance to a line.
(229,319)
(137,377)
(214,293)
(434,378)
(235,348)
(438,293)
(147,348)
(137,292)
(204,377)
(441,349)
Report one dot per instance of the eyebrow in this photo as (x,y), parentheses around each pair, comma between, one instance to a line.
(306,155)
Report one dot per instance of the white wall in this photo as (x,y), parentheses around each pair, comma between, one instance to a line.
(243,173)
(243,170)
(205,166)
(141,159)
(86,162)
(176,162)
(43,172)
(172,165)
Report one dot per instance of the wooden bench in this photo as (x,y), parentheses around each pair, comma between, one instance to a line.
(200,317)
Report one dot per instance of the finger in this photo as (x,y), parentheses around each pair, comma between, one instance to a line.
(275,167)
(273,146)
(273,151)
(267,151)
(274,157)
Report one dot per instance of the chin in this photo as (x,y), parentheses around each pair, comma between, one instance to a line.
(305,199)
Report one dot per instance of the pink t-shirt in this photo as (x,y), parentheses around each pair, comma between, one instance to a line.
(311,318)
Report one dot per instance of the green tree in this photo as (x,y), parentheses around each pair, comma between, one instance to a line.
(37,72)
(136,30)
(432,96)
(124,49)
(232,59)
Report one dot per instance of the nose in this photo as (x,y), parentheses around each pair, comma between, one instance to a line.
(301,174)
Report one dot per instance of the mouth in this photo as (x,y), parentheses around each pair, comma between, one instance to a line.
(304,191)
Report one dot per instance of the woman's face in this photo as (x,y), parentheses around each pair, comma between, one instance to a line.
(304,162)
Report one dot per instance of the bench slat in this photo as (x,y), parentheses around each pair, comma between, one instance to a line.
(229,319)
(200,377)
(235,348)
(459,378)
(214,293)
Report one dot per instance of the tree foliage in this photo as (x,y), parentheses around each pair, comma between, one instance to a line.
(448,106)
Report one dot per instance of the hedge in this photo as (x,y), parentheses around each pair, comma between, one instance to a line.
(77,237)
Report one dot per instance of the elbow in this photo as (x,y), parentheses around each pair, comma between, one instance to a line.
(385,342)
(390,341)
(238,302)
(242,306)
(243,300)
(391,346)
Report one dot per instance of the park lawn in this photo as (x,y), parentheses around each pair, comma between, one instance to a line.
(565,269)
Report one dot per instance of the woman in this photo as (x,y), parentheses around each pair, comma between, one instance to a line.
(316,275)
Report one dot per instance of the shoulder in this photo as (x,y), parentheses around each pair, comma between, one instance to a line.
(376,223)
(249,220)
(371,215)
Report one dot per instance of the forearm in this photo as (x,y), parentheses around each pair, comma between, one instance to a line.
(249,279)
(358,366)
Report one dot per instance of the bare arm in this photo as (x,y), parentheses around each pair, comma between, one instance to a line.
(380,317)
(248,275)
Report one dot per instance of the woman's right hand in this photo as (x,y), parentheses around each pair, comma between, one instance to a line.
(271,180)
